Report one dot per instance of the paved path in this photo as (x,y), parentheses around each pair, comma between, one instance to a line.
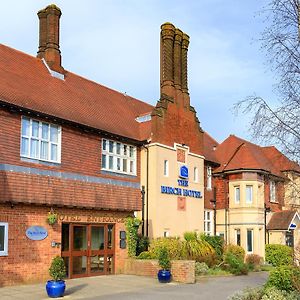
(127,287)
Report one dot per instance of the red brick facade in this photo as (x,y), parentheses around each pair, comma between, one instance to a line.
(28,260)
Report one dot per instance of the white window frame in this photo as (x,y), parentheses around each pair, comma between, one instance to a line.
(236,231)
(208,222)
(209,178)
(166,233)
(237,200)
(166,168)
(40,140)
(249,201)
(196,174)
(272,191)
(5,251)
(118,158)
(252,240)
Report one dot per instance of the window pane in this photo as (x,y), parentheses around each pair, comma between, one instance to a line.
(25,126)
(34,148)
(44,150)
(131,151)
(97,238)
(103,161)
(45,131)
(35,129)
(238,237)
(208,226)
(104,144)
(2,239)
(249,241)
(111,146)
(125,150)
(54,133)
(118,148)
(119,164)
(237,194)
(111,162)
(110,237)
(248,193)
(25,146)
(131,166)
(54,152)
(124,165)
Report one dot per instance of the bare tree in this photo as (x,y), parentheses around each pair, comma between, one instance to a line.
(279,123)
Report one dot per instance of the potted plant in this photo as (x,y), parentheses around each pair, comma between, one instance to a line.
(164,275)
(56,287)
(52,217)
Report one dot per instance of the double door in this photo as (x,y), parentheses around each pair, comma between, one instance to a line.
(88,250)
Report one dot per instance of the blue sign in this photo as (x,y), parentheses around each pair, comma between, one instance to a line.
(180,192)
(36,233)
(293,226)
(184,172)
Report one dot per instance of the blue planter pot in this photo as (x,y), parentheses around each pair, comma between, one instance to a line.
(164,276)
(55,289)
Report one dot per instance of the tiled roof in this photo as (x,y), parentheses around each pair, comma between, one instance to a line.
(235,153)
(26,82)
(280,160)
(210,145)
(281,220)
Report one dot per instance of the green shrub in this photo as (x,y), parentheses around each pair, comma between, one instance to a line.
(174,246)
(132,226)
(57,269)
(146,255)
(284,278)
(279,255)
(200,251)
(216,242)
(190,236)
(236,250)
(254,262)
(201,268)
(273,293)
(164,259)
(142,244)
(247,294)
(234,264)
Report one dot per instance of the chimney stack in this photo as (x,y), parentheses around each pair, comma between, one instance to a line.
(173,69)
(49,37)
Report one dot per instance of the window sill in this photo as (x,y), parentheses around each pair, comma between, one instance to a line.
(41,162)
(124,175)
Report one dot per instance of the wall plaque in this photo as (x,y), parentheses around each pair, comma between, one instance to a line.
(36,233)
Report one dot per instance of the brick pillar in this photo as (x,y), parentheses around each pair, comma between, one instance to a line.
(177,58)
(184,50)
(42,14)
(166,57)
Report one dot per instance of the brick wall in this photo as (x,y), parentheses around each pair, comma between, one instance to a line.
(81,154)
(182,270)
(28,261)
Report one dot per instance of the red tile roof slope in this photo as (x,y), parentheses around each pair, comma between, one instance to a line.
(281,220)
(235,153)
(26,82)
(209,144)
(280,160)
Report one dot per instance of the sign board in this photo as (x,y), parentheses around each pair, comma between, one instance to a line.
(36,233)
(184,172)
(293,226)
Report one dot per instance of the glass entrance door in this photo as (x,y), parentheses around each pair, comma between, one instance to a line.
(88,250)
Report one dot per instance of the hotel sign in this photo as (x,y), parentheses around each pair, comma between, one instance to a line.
(36,233)
(183,184)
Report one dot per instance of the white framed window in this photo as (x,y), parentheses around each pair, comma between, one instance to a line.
(40,140)
(249,194)
(196,176)
(208,222)
(238,237)
(249,240)
(166,233)
(166,167)
(3,239)
(272,191)
(209,177)
(237,195)
(118,157)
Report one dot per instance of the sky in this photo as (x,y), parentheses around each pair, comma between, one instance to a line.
(116,43)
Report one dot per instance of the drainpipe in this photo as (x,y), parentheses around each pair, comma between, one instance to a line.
(143,208)
(147,196)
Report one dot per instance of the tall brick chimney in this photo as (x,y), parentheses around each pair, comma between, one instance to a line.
(49,37)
